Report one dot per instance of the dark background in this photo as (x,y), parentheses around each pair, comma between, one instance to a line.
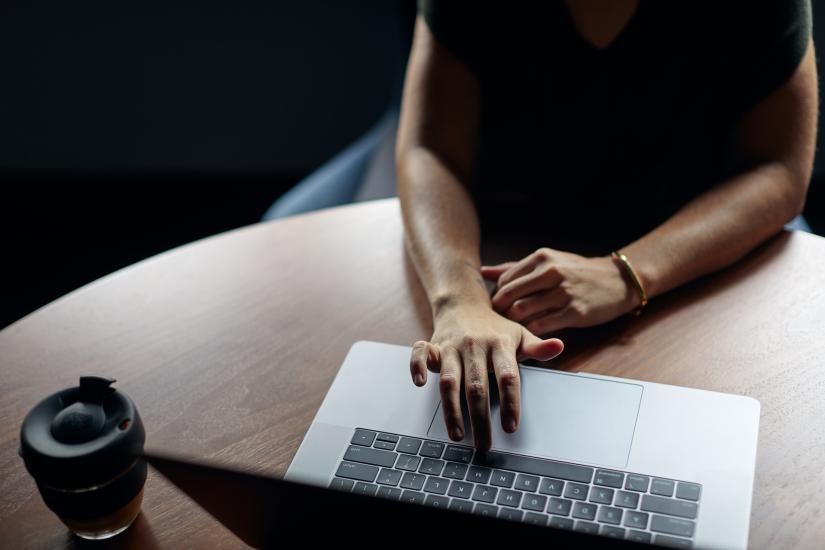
(128,128)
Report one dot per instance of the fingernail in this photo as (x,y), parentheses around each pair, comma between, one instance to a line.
(511,426)
(457,434)
(419,379)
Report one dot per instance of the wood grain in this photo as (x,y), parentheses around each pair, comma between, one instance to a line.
(228,346)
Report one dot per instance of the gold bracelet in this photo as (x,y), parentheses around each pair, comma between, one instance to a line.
(628,267)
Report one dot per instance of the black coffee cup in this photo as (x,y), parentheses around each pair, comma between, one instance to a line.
(83,446)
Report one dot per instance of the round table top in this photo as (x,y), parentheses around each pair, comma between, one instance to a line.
(228,346)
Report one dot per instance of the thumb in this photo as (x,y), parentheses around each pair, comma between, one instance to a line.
(493,272)
(533,347)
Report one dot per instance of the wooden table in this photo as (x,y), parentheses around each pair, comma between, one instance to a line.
(228,346)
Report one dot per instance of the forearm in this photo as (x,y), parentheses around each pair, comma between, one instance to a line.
(717,228)
(442,230)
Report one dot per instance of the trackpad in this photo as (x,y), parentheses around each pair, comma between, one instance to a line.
(565,416)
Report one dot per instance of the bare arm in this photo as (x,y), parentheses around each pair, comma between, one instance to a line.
(771,157)
(434,158)
(771,154)
(434,155)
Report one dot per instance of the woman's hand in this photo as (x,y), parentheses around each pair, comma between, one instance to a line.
(550,290)
(468,341)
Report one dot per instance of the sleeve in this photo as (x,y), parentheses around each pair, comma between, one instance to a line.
(457,26)
(771,41)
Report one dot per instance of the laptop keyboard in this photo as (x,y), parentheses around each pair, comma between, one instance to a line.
(544,492)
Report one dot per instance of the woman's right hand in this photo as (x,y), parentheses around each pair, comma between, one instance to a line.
(469,340)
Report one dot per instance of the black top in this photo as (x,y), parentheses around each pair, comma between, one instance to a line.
(614,141)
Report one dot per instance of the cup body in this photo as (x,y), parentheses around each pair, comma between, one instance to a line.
(83,446)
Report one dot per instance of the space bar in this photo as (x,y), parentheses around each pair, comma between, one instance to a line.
(535,466)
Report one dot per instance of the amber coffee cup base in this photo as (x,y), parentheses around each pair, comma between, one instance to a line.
(107,526)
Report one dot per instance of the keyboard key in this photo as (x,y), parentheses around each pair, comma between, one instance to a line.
(672,526)
(461,489)
(437,485)
(672,542)
(341,484)
(662,487)
(365,455)
(408,463)
(559,506)
(486,510)
(458,453)
(385,445)
(358,472)
(627,500)
(455,471)
(436,501)
(551,487)
(483,493)
(611,532)
(461,505)
(431,466)
(409,445)
(363,437)
(576,491)
(391,438)
(587,527)
(636,482)
(601,495)
(636,520)
(561,523)
(362,488)
(413,481)
(535,466)
(510,514)
(610,515)
(413,497)
(535,519)
(506,497)
(669,506)
(432,449)
(389,492)
(583,510)
(689,491)
(502,479)
(389,477)
(534,502)
(637,536)
(477,474)
(526,483)
(609,479)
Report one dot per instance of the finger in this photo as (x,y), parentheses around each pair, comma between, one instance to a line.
(509,387)
(543,279)
(520,268)
(533,347)
(418,362)
(538,302)
(552,321)
(450,388)
(476,388)
(493,272)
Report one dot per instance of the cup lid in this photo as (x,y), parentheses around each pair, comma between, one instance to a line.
(81,436)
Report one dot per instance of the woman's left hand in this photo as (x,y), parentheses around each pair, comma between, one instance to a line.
(550,290)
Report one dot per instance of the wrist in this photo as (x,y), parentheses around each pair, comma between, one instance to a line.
(449,302)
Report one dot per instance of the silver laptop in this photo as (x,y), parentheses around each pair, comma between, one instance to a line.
(620,458)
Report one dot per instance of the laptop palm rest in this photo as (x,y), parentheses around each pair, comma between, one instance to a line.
(565,416)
